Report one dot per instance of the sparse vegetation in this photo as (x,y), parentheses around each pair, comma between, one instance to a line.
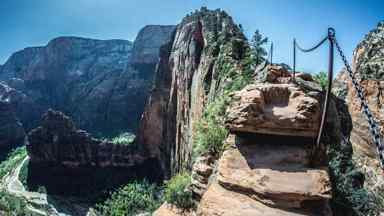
(13,159)
(132,199)
(177,191)
(210,132)
(12,206)
(374,180)
(346,178)
(322,79)
(9,204)
(123,139)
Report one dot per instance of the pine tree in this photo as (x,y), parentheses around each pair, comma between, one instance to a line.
(257,44)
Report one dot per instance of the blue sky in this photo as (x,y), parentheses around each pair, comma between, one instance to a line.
(27,23)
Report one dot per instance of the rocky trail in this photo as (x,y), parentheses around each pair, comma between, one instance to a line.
(269,168)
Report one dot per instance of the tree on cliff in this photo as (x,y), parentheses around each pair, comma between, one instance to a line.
(257,45)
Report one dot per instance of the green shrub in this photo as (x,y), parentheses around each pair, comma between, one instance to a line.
(210,131)
(347,195)
(322,79)
(13,159)
(132,199)
(177,191)
(124,139)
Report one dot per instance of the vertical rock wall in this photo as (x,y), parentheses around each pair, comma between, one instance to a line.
(187,77)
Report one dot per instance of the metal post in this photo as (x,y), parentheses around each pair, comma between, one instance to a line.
(271,53)
(331,36)
(294,58)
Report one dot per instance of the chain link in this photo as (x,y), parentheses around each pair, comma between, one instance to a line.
(314,47)
(374,128)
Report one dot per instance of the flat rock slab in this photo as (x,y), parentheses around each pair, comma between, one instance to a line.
(275,175)
(219,201)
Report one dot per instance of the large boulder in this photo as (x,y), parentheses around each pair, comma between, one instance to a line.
(282,109)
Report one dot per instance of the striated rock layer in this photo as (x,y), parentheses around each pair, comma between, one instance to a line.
(102,84)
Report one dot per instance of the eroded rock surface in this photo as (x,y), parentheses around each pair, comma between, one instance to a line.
(269,169)
(187,77)
(282,109)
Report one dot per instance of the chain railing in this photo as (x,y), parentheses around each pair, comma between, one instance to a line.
(374,128)
(329,37)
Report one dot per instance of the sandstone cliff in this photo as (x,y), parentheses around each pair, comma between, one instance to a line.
(190,73)
(94,81)
(368,63)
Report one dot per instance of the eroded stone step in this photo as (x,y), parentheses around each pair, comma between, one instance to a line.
(274,175)
(222,202)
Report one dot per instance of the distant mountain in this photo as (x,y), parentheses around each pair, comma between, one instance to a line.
(96,82)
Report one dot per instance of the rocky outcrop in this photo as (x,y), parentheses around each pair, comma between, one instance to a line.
(282,109)
(187,77)
(202,170)
(94,81)
(58,140)
(11,130)
(59,147)
(368,63)
(269,169)
(147,44)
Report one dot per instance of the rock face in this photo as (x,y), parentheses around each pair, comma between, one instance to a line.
(187,77)
(269,169)
(368,62)
(282,109)
(94,81)
(59,148)
(148,41)
(57,140)
(11,130)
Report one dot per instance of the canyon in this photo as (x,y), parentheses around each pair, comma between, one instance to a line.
(180,88)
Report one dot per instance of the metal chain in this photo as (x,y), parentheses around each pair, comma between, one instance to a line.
(313,48)
(373,126)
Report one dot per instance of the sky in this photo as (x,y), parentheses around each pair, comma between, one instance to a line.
(25,23)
